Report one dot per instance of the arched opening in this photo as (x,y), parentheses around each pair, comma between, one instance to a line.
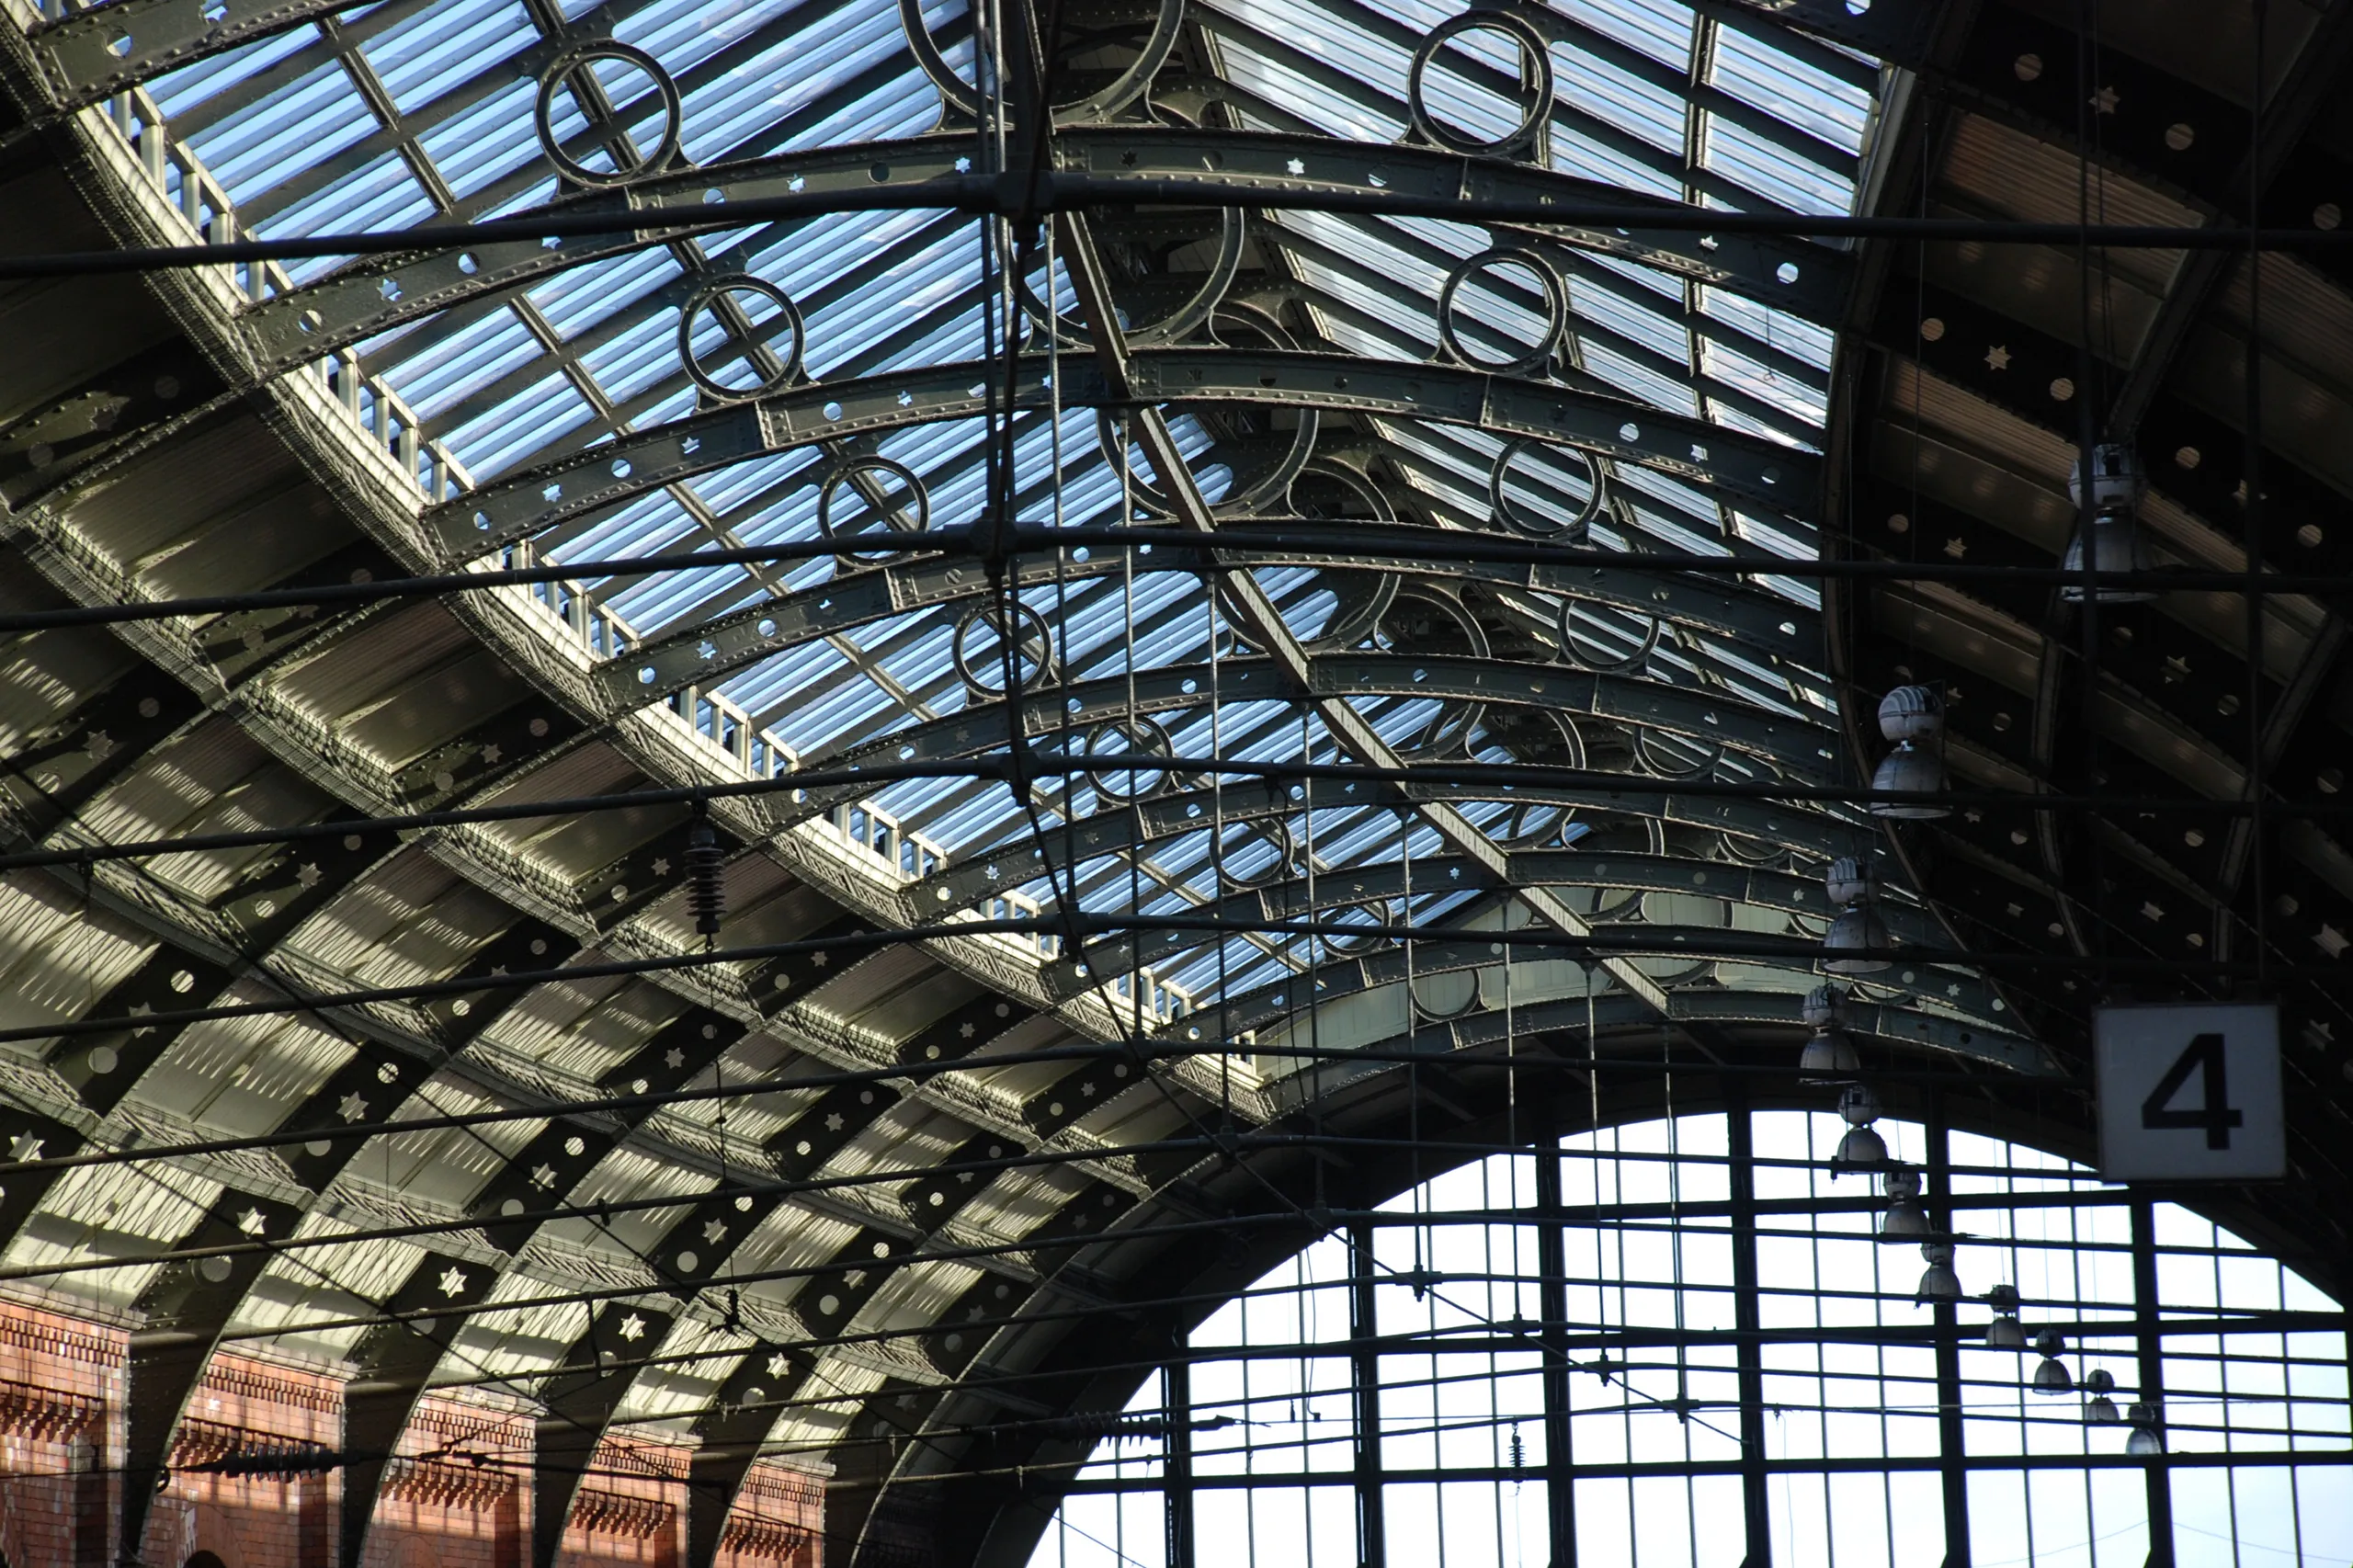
(1687,1343)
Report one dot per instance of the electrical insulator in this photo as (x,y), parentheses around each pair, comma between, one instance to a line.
(706,877)
(1518,1450)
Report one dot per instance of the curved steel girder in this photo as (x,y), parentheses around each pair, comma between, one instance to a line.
(1600,870)
(1751,469)
(373,296)
(742,1411)
(699,655)
(1294,996)
(1791,744)
(185,1310)
(579,1408)
(1178,815)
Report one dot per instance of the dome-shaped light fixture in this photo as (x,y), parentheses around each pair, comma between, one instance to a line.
(1939,1285)
(2005,1334)
(1857,941)
(1823,1007)
(2002,1299)
(2145,1441)
(1901,1181)
(1828,1057)
(2117,541)
(1861,1150)
(2099,1379)
(1910,770)
(2051,1377)
(1914,718)
(1858,1105)
(1903,1221)
(2100,1411)
(2051,1342)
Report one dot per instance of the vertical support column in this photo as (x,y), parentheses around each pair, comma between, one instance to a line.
(1373,1551)
(1552,1305)
(2149,1348)
(1951,1440)
(1747,1321)
(1176,1463)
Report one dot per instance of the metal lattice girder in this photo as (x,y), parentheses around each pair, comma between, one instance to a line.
(27,1134)
(172,382)
(1749,470)
(830,1299)
(1760,887)
(579,1406)
(184,1311)
(775,986)
(702,653)
(826,1127)
(373,296)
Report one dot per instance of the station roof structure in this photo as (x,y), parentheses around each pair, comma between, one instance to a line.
(575,827)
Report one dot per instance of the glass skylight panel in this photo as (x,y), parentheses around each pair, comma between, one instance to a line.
(446,44)
(1772,173)
(262,146)
(178,92)
(1637,380)
(1792,90)
(513,433)
(1293,92)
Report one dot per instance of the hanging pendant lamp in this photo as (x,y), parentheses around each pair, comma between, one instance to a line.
(2118,543)
(1914,718)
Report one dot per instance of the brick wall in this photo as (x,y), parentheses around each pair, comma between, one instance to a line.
(458,1496)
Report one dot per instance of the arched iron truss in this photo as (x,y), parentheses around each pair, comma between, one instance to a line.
(230,429)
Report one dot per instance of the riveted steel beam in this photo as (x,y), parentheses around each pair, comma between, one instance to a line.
(580,1406)
(1609,870)
(184,1311)
(376,295)
(1255,614)
(1749,470)
(742,1411)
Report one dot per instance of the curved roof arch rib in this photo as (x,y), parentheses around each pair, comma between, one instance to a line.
(1278,838)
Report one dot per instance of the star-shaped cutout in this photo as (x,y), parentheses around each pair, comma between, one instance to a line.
(2331,941)
(820,959)
(1087,1089)
(453,1282)
(966,1030)
(1997,357)
(834,1122)
(99,746)
(715,1232)
(778,1365)
(492,752)
(2104,100)
(2177,668)
(25,1146)
(661,865)
(352,1108)
(543,1176)
(252,1222)
(632,1327)
(308,874)
(965,1176)
(673,1058)
(1957,547)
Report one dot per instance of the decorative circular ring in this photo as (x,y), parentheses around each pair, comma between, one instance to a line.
(1774,855)
(1443,1015)
(1247,498)
(1704,768)
(1533,116)
(1360,597)
(1518,520)
(559,71)
(1556,310)
(1115,96)
(1448,731)
(1629,664)
(1187,317)
(1136,735)
(892,517)
(1277,832)
(711,293)
(1033,645)
(1382,914)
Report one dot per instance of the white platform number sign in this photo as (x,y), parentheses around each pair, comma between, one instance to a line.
(2189,1092)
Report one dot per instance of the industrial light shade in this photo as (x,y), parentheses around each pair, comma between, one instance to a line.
(2117,545)
(2144,1443)
(1822,1005)
(2051,1342)
(2100,1411)
(1902,1181)
(2002,1299)
(2099,1379)
(1849,882)
(1912,770)
(1939,1285)
(2052,1377)
(1912,713)
(1828,1055)
(1861,1150)
(2118,479)
(1854,938)
(1858,1107)
(1903,1221)
(2005,1334)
